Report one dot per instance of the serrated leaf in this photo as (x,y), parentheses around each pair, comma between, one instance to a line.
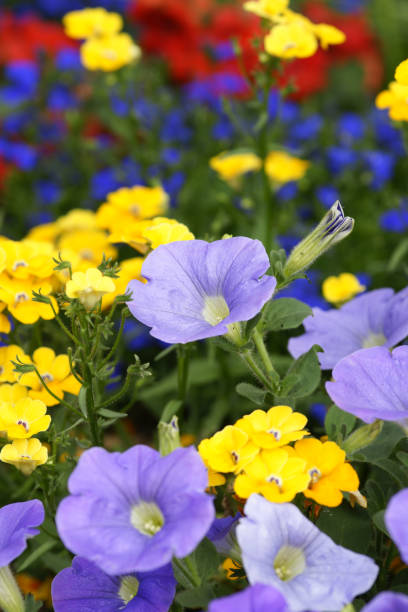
(285,313)
(254,394)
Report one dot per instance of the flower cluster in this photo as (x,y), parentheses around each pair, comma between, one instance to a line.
(257,450)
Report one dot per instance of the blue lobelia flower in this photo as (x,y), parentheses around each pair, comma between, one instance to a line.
(327,194)
(132,511)
(18,522)
(381,165)
(396,520)
(256,598)
(376,318)
(197,289)
(350,127)
(282,548)
(340,158)
(86,587)
(387,601)
(372,384)
(396,219)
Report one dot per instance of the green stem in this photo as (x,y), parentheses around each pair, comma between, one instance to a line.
(46,387)
(255,369)
(71,366)
(118,395)
(117,339)
(63,326)
(182,371)
(263,353)
(90,406)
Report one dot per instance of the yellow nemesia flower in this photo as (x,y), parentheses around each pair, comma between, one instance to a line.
(229,566)
(25,455)
(17,294)
(76,219)
(5,326)
(56,373)
(89,287)
(90,22)
(328,35)
(40,589)
(7,355)
(291,40)
(215,479)
(275,428)
(130,204)
(24,419)
(3,257)
(46,232)
(89,245)
(11,393)
(109,53)
(401,73)
(282,167)
(266,8)
(230,166)
(395,99)
(276,474)
(329,474)
(27,259)
(340,289)
(229,450)
(164,231)
(130,269)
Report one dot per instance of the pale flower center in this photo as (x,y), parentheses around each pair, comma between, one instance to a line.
(135,210)
(128,589)
(147,518)
(19,264)
(23,423)
(374,340)
(86,254)
(109,54)
(276,433)
(314,474)
(276,480)
(289,563)
(21,297)
(215,309)
(47,377)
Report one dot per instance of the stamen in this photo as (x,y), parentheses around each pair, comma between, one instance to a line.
(215,309)
(289,563)
(47,377)
(147,518)
(235,456)
(276,433)
(24,424)
(19,264)
(314,474)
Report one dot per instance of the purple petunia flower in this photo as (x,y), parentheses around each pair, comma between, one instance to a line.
(197,289)
(256,598)
(372,384)
(282,548)
(387,602)
(376,318)
(86,587)
(133,511)
(396,520)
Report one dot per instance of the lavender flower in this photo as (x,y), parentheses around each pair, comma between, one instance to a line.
(17,524)
(197,289)
(387,602)
(282,548)
(86,587)
(256,598)
(222,535)
(372,384)
(132,511)
(396,520)
(374,319)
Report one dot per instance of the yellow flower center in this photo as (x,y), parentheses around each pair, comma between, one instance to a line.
(289,563)
(86,254)
(289,45)
(215,309)
(235,456)
(374,340)
(109,54)
(135,210)
(276,479)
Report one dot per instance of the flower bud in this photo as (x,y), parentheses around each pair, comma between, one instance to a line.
(169,436)
(363,436)
(11,599)
(332,228)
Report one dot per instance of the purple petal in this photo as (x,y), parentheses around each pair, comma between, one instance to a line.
(256,598)
(372,384)
(396,520)
(388,602)
(17,522)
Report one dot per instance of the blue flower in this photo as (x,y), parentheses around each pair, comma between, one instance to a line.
(387,135)
(395,517)
(387,601)
(381,165)
(350,128)
(48,192)
(283,549)
(340,158)
(327,195)
(61,98)
(306,129)
(175,128)
(224,51)
(396,219)
(171,156)
(85,586)
(289,111)
(288,191)
(68,60)
(256,598)
(273,104)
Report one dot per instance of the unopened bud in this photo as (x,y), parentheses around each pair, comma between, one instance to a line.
(169,436)
(363,436)
(11,599)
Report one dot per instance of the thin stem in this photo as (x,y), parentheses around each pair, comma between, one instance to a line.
(182,371)
(117,339)
(63,326)
(263,353)
(59,399)
(71,366)
(118,395)
(253,366)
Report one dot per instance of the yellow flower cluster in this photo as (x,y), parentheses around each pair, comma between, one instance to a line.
(395,98)
(257,450)
(339,289)
(279,166)
(106,47)
(293,35)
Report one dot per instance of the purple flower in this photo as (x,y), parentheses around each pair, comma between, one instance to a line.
(222,535)
(256,598)
(197,289)
(372,384)
(282,548)
(387,602)
(133,511)
(17,524)
(374,319)
(396,520)
(86,587)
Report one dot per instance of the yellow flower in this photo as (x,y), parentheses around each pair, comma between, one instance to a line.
(395,98)
(17,294)
(230,166)
(130,204)
(164,231)
(282,167)
(339,289)
(7,355)
(24,418)
(291,40)
(27,259)
(230,566)
(215,479)
(76,219)
(130,269)
(91,22)
(25,455)
(46,232)
(11,393)
(229,450)
(328,35)
(401,73)
(328,473)
(56,373)
(276,474)
(90,245)
(109,53)
(40,589)
(5,326)
(89,287)
(277,427)
(266,8)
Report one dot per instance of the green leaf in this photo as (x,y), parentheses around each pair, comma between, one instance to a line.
(285,313)
(206,559)
(384,444)
(307,368)
(347,526)
(111,414)
(82,401)
(195,598)
(254,394)
(30,605)
(338,424)
(398,473)
(38,552)
(171,408)
(403,457)
(378,520)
